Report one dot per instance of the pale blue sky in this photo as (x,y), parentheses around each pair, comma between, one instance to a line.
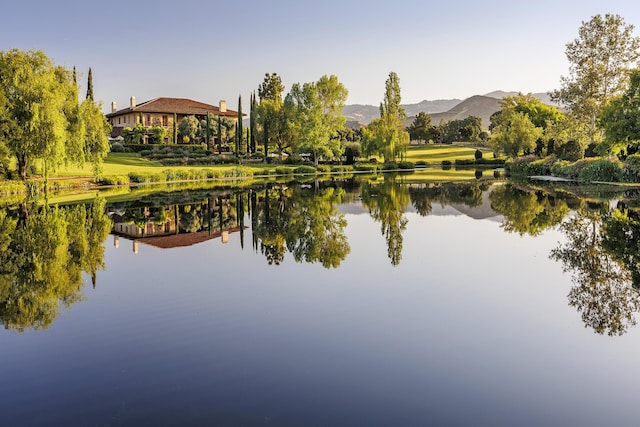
(212,50)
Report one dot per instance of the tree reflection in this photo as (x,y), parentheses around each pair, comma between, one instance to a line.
(445,193)
(316,230)
(527,212)
(386,203)
(42,259)
(602,291)
(304,222)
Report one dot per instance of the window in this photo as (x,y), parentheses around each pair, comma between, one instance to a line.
(118,120)
(165,121)
(147,120)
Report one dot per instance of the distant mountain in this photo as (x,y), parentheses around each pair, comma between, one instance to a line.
(478,105)
(542,96)
(364,114)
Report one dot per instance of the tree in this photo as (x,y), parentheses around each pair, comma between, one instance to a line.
(419,128)
(189,128)
(268,111)
(620,118)
(89,85)
(317,109)
(515,133)
(36,95)
(386,135)
(95,129)
(600,58)
(239,132)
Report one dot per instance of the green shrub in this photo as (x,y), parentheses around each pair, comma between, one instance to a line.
(421,164)
(389,166)
(323,169)
(138,177)
(478,154)
(238,172)
(12,187)
(304,169)
(363,167)
(632,168)
(342,168)
(604,170)
(406,165)
(294,159)
(283,170)
(114,180)
(117,147)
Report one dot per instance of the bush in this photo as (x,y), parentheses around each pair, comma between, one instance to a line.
(282,170)
(363,167)
(446,163)
(631,168)
(604,170)
(117,147)
(238,172)
(342,169)
(478,154)
(389,166)
(304,169)
(114,180)
(406,165)
(421,164)
(294,159)
(323,168)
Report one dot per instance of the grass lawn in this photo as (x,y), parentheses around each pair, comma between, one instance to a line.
(123,163)
(438,153)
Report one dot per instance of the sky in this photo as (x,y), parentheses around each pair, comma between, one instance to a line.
(220,50)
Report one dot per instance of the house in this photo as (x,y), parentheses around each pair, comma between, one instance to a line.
(162,112)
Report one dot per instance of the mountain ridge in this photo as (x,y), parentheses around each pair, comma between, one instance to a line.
(440,110)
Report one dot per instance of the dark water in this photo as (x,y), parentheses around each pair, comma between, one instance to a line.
(331,304)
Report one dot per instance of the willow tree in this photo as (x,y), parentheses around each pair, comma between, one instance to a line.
(39,114)
(386,135)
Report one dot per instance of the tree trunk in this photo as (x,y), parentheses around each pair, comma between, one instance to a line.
(22,166)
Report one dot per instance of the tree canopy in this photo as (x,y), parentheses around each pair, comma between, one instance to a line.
(40,117)
(600,58)
(386,135)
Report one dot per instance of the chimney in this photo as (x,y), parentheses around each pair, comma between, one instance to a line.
(223,106)
(132,102)
(114,108)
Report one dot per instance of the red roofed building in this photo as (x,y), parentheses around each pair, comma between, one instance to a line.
(162,112)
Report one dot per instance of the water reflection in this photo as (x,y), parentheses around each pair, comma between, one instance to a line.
(45,250)
(600,251)
(43,253)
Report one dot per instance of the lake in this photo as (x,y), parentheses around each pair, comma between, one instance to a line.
(343,302)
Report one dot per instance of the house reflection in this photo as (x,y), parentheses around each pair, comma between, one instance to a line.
(177,225)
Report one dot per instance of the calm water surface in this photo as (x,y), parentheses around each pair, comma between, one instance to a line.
(378,304)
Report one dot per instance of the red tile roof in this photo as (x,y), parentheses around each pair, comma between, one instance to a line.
(182,106)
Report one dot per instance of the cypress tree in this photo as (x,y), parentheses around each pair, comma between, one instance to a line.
(175,128)
(89,85)
(252,123)
(219,135)
(207,131)
(239,132)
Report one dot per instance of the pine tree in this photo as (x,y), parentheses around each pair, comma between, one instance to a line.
(89,85)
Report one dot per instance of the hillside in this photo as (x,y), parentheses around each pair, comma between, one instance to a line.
(478,105)
(482,106)
(357,113)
